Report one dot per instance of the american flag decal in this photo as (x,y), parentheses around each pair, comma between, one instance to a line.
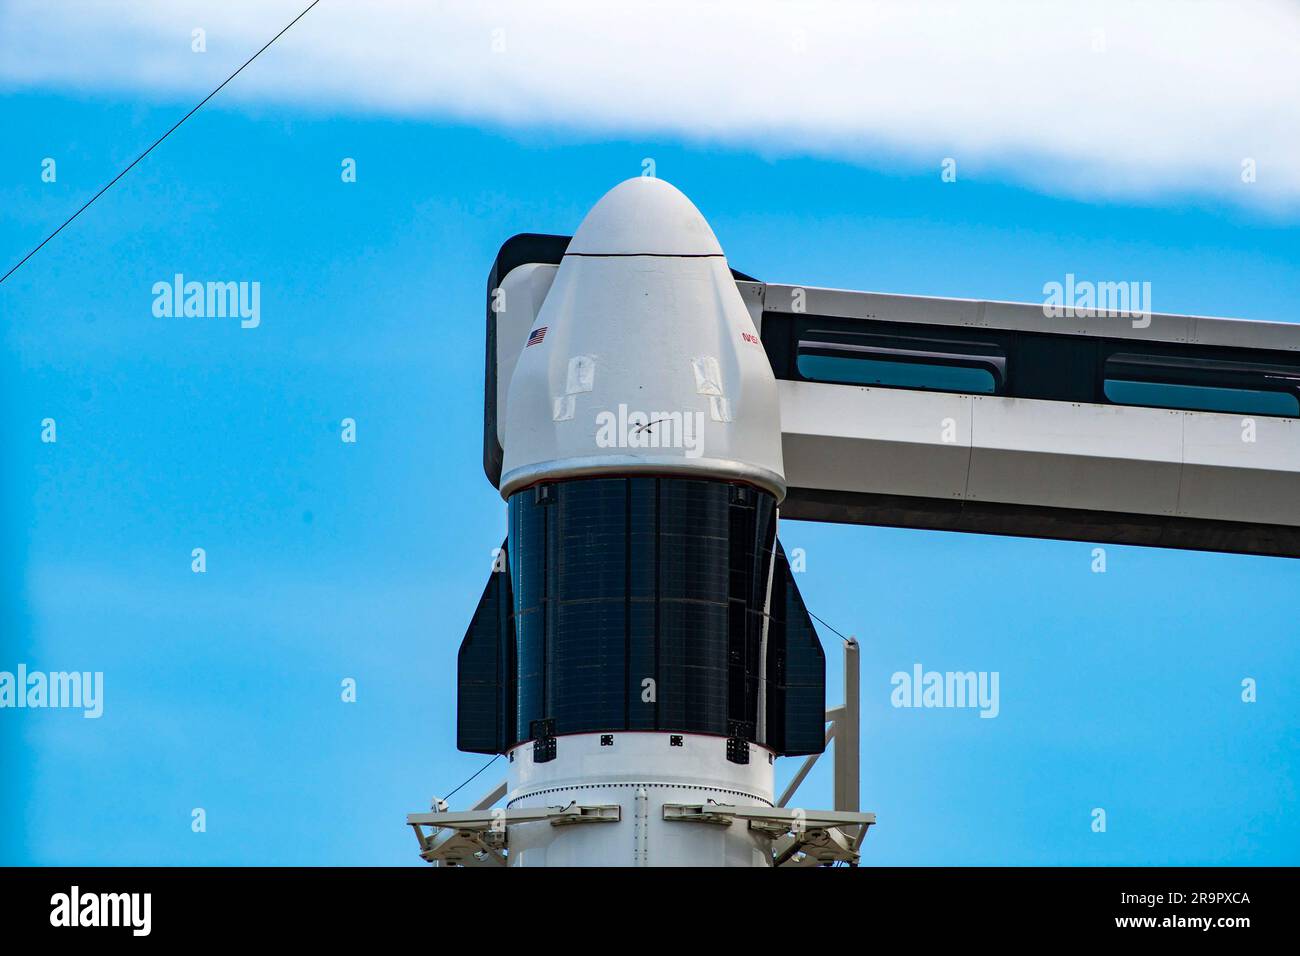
(537,335)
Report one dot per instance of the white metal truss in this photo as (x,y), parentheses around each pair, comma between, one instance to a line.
(799,837)
(479,837)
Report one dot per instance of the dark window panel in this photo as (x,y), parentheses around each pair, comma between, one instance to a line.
(1035,365)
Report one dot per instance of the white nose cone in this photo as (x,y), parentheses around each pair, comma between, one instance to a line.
(644,216)
(643,358)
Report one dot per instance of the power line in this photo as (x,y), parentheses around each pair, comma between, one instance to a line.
(846,640)
(472,776)
(157,141)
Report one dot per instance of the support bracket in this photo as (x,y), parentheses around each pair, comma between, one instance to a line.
(481,837)
(799,837)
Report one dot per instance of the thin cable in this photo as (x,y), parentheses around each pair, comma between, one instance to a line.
(846,640)
(472,776)
(157,141)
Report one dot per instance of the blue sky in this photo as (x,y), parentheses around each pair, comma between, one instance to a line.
(329,560)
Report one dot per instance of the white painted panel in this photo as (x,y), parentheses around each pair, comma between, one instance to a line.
(524,288)
(878,440)
(1230,478)
(585,772)
(1243,334)
(751,293)
(1030,317)
(1072,455)
(872,305)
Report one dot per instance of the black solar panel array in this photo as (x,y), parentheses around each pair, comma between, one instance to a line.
(638,604)
(484,664)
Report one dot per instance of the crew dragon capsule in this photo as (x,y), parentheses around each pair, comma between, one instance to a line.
(641,654)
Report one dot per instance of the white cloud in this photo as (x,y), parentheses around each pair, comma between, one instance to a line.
(1108,97)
